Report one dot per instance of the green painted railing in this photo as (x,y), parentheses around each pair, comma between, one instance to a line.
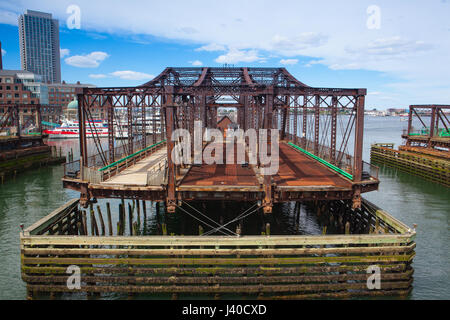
(50,124)
(130,156)
(329,165)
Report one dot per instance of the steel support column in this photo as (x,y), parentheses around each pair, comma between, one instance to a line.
(268,119)
(333,130)
(110,115)
(170,109)
(316,124)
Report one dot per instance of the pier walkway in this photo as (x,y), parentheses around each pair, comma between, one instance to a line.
(137,174)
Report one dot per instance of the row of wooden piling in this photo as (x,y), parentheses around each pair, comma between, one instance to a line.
(129,220)
(296,266)
(431,168)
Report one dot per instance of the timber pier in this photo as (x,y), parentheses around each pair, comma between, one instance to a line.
(22,142)
(310,129)
(426,151)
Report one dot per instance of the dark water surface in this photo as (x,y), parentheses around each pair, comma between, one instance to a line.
(34,194)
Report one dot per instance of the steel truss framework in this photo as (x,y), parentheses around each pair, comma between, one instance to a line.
(434,131)
(269,98)
(19,117)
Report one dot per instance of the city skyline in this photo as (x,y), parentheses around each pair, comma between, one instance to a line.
(399,63)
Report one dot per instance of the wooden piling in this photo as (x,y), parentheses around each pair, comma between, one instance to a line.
(121,219)
(94,227)
(130,218)
(108,213)
(347,227)
(138,212)
(84,221)
(135,228)
(144,209)
(102,222)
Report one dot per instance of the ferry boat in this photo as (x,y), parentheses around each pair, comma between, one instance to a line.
(70,129)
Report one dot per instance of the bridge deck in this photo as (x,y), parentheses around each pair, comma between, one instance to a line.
(230,174)
(297,169)
(137,174)
(299,178)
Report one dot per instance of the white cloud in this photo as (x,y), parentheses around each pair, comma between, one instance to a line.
(64,52)
(3,52)
(211,47)
(132,75)
(297,44)
(236,56)
(196,63)
(8,17)
(98,76)
(91,60)
(411,46)
(289,61)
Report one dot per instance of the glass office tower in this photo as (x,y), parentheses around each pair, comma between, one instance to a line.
(39,45)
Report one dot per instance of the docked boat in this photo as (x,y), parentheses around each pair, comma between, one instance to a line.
(70,129)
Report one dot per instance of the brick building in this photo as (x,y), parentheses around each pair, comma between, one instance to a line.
(61,94)
(19,87)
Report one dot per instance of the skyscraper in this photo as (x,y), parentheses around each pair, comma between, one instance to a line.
(39,45)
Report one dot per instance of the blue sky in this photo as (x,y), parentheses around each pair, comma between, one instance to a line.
(398,50)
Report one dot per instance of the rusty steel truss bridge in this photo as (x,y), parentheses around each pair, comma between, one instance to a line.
(320,130)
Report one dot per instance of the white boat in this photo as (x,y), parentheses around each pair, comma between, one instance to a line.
(70,130)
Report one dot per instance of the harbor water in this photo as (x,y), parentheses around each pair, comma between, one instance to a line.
(34,194)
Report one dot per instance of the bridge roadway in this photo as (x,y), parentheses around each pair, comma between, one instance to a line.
(296,171)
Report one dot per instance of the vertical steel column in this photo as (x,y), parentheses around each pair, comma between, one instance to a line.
(246,113)
(144,125)
(305,121)
(410,117)
(283,115)
(288,117)
(268,122)
(16,113)
(170,109)
(359,134)
(130,125)
(203,112)
(110,115)
(432,126)
(82,131)
(39,119)
(154,131)
(333,129)
(316,124)
(295,122)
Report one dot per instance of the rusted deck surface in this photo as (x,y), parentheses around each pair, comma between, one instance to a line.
(297,169)
(233,174)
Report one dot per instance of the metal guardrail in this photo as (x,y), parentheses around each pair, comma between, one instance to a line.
(130,156)
(329,165)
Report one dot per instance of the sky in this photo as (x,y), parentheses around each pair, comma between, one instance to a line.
(399,50)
